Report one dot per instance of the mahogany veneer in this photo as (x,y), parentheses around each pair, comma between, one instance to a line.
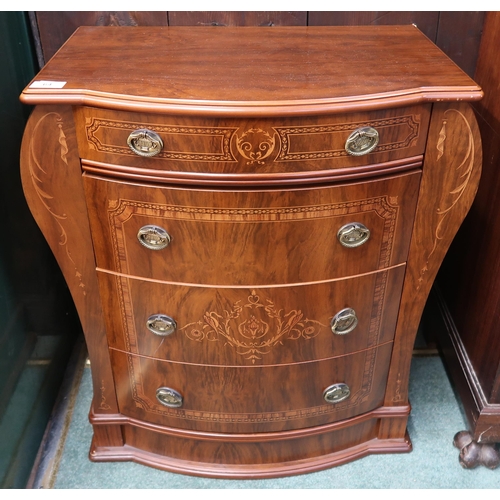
(252,181)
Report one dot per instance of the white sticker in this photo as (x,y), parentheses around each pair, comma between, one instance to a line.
(44,84)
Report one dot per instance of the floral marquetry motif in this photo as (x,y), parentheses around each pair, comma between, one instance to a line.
(253,328)
(40,181)
(255,145)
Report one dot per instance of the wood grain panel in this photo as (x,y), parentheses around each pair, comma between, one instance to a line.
(472,295)
(427,22)
(463,49)
(251,146)
(239,18)
(250,399)
(253,237)
(250,327)
(253,460)
(56,27)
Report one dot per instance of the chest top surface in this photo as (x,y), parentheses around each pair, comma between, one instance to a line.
(249,71)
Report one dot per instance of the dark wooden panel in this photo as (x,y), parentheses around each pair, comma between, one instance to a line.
(427,22)
(56,27)
(483,417)
(488,73)
(473,295)
(195,18)
(459,36)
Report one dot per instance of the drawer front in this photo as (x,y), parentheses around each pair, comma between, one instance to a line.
(251,238)
(250,399)
(251,327)
(253,145)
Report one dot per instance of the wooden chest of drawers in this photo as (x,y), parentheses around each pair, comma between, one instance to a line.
(250,241)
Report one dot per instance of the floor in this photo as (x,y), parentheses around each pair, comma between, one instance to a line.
(435,418)
(29,374)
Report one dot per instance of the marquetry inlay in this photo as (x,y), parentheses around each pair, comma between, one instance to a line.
(408,128)
(181,143)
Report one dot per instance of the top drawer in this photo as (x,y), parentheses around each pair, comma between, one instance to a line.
(243,146)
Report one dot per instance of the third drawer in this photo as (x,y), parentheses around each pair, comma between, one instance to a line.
(251,326)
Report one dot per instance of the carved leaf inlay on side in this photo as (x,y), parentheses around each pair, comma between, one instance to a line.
(464,170)
(103,405)
(442,138)
(37,172)
(254,328)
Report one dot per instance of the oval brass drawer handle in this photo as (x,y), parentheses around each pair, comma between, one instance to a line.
(362,141)
(144,142)
(336,393)
(169,397)
(345,321)
(153,237)
(353,235)
(162,325)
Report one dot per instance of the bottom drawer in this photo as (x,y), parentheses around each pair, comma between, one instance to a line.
(251,398)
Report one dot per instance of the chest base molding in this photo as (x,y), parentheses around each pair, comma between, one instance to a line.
(252,455)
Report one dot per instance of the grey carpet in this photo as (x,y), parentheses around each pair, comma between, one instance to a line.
(436,416)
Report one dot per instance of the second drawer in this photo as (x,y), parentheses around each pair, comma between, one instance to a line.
(251,237)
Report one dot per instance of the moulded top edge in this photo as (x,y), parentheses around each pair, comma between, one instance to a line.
(250,108)
(259,71)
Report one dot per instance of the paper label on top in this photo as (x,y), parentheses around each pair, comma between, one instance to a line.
(47,84)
